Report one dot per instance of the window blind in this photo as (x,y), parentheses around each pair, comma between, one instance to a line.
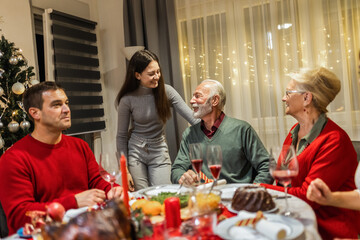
(71,55)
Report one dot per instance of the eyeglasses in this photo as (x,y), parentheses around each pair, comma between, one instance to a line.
(287,92)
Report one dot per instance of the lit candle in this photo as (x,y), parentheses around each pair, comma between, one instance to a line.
(124,182)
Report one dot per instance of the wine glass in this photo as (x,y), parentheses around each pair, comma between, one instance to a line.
(109,167)
(196,157)
(284,169)
(214,160)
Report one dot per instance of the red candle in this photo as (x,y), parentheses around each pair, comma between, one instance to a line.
(172,212)
(124,182)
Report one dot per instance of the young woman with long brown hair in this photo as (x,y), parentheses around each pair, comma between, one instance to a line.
(144,103)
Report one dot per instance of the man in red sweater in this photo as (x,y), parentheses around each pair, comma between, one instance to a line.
(47,166)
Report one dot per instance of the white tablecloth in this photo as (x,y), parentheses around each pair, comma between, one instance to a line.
(304,212)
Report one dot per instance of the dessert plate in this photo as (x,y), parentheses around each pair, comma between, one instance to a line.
(227,193)
(227,229)
(228,205)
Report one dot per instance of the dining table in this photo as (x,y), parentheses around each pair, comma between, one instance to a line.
(303,224)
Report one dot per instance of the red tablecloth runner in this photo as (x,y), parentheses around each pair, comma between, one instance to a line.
(274,187)
(202,233)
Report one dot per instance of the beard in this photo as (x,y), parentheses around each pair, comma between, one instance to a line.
(203,109)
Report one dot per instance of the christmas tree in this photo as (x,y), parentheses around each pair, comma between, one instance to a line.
(15,77)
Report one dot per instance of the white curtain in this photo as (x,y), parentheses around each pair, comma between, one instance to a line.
(250,46)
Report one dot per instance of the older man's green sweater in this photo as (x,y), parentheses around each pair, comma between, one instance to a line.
(245,159)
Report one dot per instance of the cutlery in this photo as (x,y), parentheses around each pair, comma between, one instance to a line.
(179,190)
(212,186)
(208,185)
(281,196)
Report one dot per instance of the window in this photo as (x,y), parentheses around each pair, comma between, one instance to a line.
(251,46)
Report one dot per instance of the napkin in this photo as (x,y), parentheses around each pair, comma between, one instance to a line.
(271,230)
(71,213)
(208,185)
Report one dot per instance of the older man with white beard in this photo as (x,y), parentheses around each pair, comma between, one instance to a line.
(245,159)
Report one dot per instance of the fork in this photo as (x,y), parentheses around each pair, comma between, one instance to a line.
(212,186)
(179,190)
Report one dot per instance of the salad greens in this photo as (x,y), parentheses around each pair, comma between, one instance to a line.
(184,199)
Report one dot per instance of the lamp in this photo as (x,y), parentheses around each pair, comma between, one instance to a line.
(129,51)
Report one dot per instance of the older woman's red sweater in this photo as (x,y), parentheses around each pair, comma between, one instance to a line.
(331,157)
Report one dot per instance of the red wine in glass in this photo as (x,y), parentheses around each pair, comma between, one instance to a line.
(214,160)
(197,164)
(215,170)
(195,154)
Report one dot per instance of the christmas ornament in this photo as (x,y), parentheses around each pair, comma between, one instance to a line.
(21,105)
(13,126)
(20,58)
(25,125)
(1,124)
(18,88)
(1,91)
(34,82)
(2,142)
(13,60)
(1,54)
(1,72)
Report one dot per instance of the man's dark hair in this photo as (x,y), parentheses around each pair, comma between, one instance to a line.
(33,95)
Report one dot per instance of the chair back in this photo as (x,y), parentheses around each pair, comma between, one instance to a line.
(4,231)
(356,145)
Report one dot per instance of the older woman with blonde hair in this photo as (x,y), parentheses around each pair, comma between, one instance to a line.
(323,149)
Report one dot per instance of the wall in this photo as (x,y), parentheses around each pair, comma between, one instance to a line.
(16,26)
(73,7)
(113,65)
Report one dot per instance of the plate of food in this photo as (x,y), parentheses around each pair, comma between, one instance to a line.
(251,198)
(290,227)
(229,190)
(155,190)
(161,192)
(150,201)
